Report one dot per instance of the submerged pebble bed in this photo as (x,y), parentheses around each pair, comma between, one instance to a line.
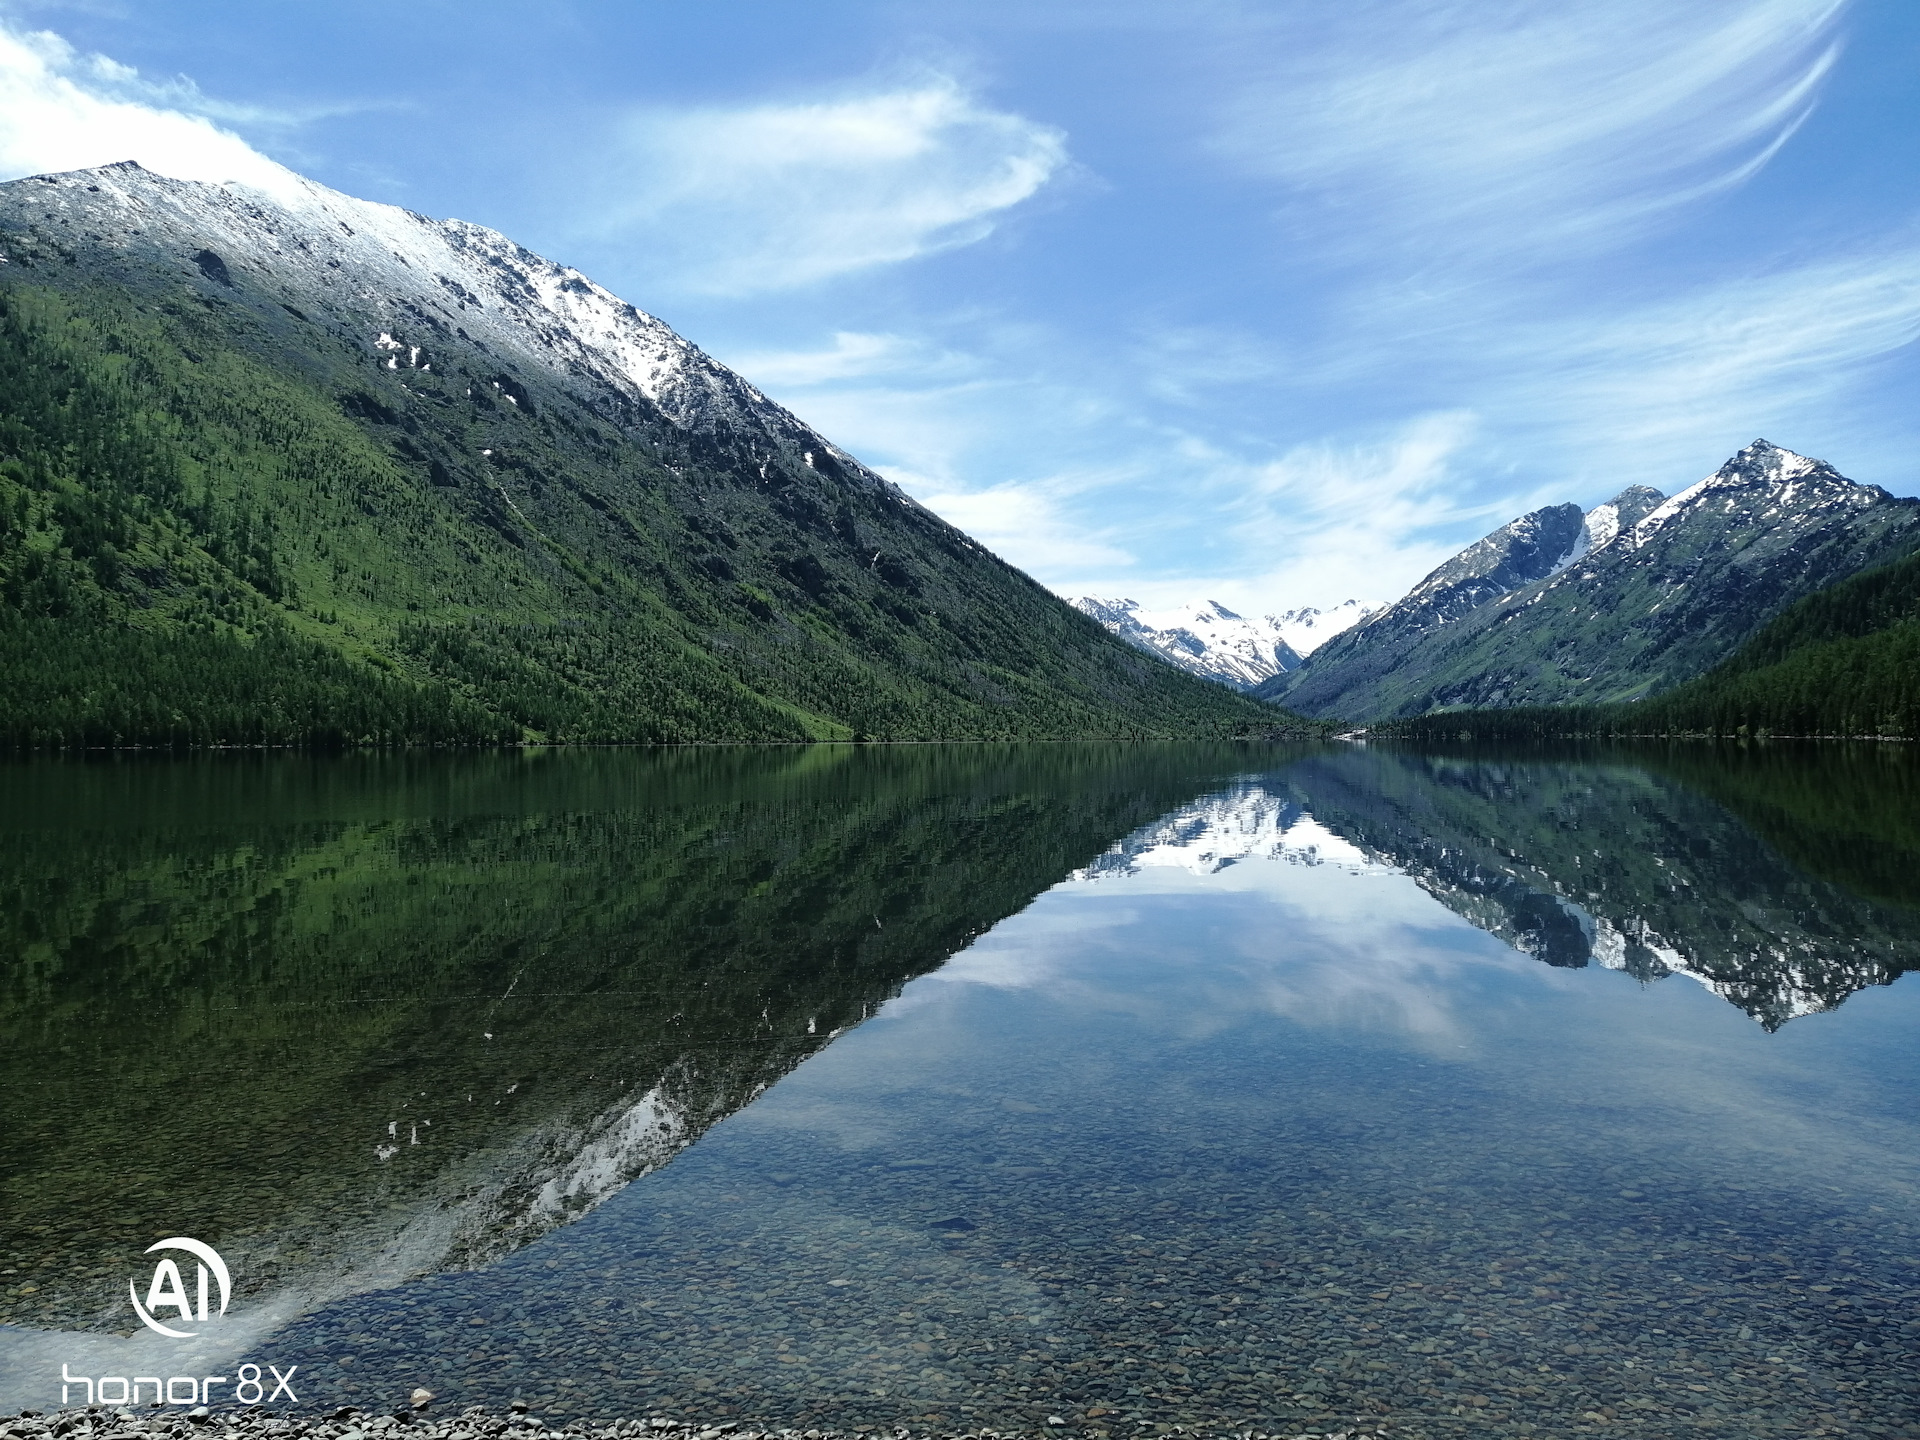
(1350,1268)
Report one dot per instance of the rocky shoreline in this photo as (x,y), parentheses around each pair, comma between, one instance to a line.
(478,1423)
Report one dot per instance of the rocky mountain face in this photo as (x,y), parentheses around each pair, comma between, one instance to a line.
(417,450)
(1631,598)
(1207,639)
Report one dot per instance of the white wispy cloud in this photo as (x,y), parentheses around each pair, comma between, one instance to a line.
(64,110)
(1481,130)
(1455,177)
(183,94)
(853,355)
(1092,495)
(1375,514)
(773,196)
(1326,521)
(1034,524)
(1192,364)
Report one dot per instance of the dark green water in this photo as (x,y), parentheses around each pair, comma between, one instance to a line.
(1134,1086)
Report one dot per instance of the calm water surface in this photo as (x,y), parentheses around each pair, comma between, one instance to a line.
(1128,1087)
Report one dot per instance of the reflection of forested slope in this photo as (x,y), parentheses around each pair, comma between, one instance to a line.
(353,1019)
(1609,861)
(1846,813)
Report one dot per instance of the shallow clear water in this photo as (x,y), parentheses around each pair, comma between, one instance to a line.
(1488,1093)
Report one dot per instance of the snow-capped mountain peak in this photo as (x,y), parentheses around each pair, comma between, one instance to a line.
(1764,478)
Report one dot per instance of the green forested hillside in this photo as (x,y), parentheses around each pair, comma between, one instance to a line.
(1865,685)
(1842,661)
(221,522)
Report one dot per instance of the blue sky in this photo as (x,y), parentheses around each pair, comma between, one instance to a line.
(1276,304)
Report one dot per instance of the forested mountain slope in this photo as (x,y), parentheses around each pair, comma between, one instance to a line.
(302,467)
(1844,661)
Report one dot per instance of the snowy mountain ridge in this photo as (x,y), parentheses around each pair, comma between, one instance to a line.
(1207,639)
(430,278)
(1307,629)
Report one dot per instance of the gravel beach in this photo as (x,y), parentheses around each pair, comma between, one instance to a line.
(477,1423)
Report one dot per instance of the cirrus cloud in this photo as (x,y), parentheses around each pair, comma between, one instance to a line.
(1484,130)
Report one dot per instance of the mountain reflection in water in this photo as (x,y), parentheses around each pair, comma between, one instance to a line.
(354,1020)
(373,1026)
(1621,858)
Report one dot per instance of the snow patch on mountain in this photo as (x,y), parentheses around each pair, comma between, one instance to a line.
(1307,629)
(1605,523)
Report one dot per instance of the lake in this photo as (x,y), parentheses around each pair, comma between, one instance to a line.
(1103,1088)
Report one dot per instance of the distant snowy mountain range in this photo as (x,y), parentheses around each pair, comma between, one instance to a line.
(1208,639)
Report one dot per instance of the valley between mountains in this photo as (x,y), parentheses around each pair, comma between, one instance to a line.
(302,469)
(1776,596)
